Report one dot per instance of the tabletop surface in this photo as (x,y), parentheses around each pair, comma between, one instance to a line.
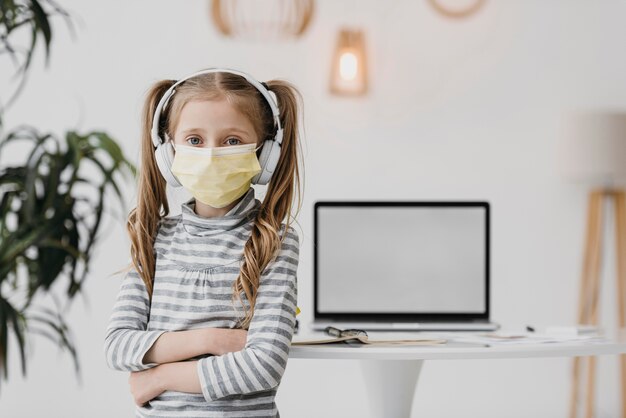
(612,343)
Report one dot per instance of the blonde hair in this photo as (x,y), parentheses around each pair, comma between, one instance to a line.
(152,205)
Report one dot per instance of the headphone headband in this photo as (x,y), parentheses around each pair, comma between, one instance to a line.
(269,96)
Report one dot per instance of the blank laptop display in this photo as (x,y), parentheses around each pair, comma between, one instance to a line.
(401,260)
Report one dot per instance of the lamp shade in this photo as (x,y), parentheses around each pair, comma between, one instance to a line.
(262,19)
(349,71)
(593,147)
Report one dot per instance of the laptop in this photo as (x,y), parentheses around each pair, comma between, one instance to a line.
(402,265)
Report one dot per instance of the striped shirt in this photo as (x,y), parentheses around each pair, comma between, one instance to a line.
(197,261)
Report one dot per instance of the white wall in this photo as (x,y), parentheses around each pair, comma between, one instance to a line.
(457,110)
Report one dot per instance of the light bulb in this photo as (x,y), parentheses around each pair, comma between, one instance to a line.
(348,66)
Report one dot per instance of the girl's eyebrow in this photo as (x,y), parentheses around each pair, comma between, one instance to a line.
(233,129)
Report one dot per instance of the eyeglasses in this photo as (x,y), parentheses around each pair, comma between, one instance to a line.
(336,332)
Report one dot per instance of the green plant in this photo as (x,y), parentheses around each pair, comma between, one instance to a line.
(51,206)
(30,17)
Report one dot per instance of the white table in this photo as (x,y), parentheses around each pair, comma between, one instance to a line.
(391,373)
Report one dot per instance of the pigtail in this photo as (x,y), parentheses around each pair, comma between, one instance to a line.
(285,181)
(143,220)
(265,242)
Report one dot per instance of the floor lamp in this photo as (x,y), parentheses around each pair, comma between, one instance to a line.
(595,154)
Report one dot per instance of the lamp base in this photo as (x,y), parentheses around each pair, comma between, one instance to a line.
(590,285)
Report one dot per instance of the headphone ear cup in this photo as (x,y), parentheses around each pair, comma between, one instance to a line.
(268,161)
(164,156)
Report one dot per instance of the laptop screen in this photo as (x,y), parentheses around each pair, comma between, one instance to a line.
(401,260)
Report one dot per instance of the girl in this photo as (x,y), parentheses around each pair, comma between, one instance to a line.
(205,315)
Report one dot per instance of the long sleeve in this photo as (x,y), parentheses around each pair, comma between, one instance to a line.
(127,339)
(260,365)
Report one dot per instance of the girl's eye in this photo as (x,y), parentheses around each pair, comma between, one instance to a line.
(194,140)
(235,139)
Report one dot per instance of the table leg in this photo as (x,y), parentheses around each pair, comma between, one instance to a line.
(390,386)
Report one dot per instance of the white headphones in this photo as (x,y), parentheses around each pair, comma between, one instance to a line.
(164,152)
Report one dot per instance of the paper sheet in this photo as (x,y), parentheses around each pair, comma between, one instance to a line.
(512,338)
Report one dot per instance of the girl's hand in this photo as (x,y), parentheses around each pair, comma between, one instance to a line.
(145,385)
(229,340)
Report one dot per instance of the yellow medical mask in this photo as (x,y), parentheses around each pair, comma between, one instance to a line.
(216,176)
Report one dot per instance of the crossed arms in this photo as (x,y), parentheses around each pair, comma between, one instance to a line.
(241,362)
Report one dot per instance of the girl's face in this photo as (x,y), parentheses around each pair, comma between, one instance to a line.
(212,124)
